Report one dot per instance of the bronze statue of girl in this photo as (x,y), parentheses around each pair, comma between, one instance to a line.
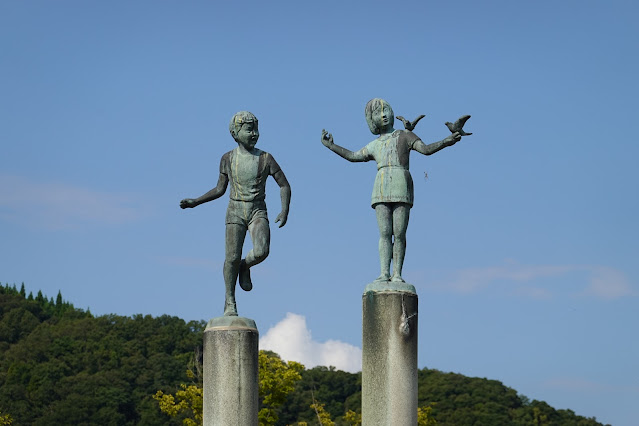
(392,196)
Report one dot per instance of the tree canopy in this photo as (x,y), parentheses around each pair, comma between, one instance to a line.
(63,365)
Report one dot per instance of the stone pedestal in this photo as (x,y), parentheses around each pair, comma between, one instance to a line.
(389,355)
(230,372)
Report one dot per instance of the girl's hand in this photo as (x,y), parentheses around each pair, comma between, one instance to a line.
(452,139)
(327,139)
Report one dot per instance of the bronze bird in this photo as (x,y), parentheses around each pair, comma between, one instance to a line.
(410,125)
(458,125)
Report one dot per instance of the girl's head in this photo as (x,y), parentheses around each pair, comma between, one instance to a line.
(379,115)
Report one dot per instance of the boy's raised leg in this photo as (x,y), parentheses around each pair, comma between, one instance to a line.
(261,238)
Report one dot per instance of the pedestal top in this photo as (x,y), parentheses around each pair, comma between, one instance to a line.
(386,286)
(231,322)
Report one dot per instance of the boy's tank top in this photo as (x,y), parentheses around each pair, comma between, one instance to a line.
(247,173)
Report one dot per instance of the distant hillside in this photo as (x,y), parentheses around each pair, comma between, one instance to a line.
(61,365)
(456,400)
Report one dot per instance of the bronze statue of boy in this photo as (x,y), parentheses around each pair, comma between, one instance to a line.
(393,189)
(246,168)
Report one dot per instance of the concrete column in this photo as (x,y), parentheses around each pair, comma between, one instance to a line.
(389,355)
(230,372)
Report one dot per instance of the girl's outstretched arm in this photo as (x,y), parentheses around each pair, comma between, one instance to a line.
(432,148)
(361,155)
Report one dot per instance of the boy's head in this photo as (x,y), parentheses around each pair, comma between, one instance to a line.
(243,128)
(379,114)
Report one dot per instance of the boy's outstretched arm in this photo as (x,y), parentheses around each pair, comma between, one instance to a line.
(213,194)
(432,148)
(361,155)
(285,195)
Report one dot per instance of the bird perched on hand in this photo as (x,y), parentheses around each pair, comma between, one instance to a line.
(458,125)
(410,125)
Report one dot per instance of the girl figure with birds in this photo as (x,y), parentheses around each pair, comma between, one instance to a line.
(392,196)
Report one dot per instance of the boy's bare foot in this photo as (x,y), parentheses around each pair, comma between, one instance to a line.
(397,279)
(383,277)
(230,308)
(245,277)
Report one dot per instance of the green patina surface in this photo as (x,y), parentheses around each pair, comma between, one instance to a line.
(246,168)
(231,321)
(392,196)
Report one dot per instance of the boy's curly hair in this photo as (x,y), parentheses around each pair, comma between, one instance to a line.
(240,118)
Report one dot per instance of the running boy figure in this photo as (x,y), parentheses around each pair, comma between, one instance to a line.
(393,189)
(247,168)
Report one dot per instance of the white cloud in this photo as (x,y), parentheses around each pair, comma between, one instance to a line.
(599,281)
(537,293)
(608,283)
(469,280)
(292,340)
(59,206)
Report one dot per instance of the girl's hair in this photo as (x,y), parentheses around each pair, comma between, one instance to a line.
(368,111)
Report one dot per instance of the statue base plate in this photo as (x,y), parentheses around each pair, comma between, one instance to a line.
(231,322)
(383,286)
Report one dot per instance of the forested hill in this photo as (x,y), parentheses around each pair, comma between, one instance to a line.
(61,365)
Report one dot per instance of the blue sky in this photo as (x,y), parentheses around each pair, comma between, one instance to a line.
(522,242)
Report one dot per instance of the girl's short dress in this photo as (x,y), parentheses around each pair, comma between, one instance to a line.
(393,183)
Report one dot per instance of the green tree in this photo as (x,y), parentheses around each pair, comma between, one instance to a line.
(323,417)
(353,418)
(277,379)
(5,419)
(340,391)
(61,365)
(424,416)
(189,403)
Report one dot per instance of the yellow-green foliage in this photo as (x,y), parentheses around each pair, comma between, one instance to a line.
(277,379)
(323,417)
(5,419)
(353,418)
(539,418)
(189,404)
(424,416)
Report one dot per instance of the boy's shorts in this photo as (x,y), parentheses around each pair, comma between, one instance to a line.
(245,212)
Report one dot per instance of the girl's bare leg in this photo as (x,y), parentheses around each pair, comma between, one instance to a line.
(385,223)
(401,213)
